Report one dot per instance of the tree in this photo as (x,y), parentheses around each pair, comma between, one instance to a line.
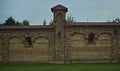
(18,23)
(25,22)
(9,21)
(116,20)
(51,22)
(70,19)
(44,22)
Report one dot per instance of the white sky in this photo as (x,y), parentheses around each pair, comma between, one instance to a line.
(37,10)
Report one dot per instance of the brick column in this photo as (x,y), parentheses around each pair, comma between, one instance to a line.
(59,45)
(59,13)
(51,50)
(67,47)
(5,49)
(115,48)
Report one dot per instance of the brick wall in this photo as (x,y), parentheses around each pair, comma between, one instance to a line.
(15,48)
(0,50)
(43,50)
(100,49)
(38,52)
(91,54)
(119,50)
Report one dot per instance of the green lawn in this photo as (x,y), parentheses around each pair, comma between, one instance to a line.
(62,67)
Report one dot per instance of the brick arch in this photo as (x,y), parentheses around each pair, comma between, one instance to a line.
(81,37)
(41,42)
(41,45)
(105,32)
(105,36)
(13,39)
(15,49)
(105,40)
(15,36)
(59,15)
(91,37)
(1,45)
(46,40)
(77,40)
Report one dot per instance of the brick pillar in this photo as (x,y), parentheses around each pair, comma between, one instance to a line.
(51,50)
(5,50)
(115,48)
(59,46)
(59,15)
(67,48)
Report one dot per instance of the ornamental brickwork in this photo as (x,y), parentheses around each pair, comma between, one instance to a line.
(61,42)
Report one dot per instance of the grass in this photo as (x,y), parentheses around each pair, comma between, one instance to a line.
(62,67)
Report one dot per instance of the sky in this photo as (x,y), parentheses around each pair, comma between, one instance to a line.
(37,10)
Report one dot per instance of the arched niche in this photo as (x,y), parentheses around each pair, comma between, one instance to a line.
(41,40)
(59,16)
(104,40)
(15,43)
(91,37)
(77,36)
(41,44)
(105,36)
(16,47)
(77,40)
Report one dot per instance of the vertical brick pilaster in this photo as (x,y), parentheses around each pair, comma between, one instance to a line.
(67,47)
(59,13)
(5,49)
(59,45)
(115,48)
(52,50)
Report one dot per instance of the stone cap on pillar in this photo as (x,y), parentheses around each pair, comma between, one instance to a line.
(59,7)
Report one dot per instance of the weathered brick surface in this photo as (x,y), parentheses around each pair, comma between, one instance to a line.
(38,52)
(61,43)
(91,54)
(100,50)
(0,50)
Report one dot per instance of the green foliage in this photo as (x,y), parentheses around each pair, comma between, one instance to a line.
(11,21)
(70,19)
(25,22)
(18,23)
(44,22)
